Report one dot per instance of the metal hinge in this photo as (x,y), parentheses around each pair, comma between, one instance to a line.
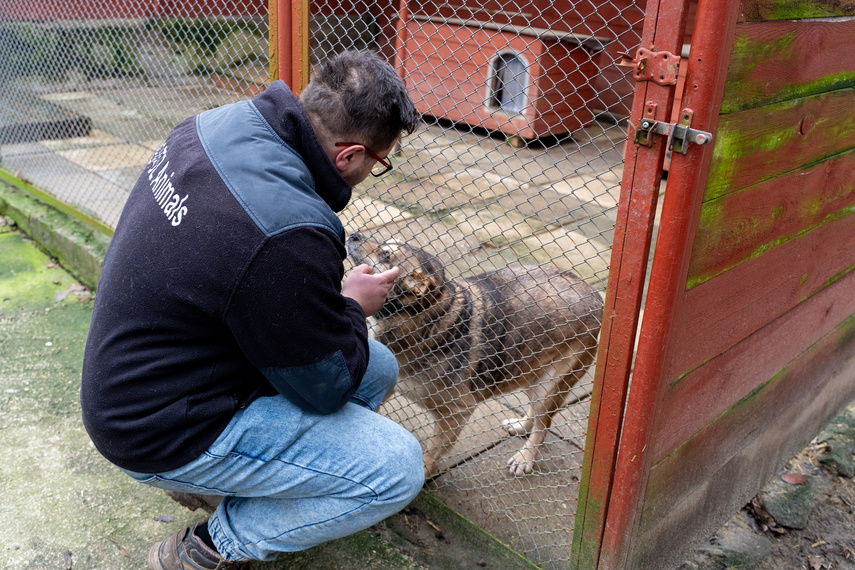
(660,67)
(679,134)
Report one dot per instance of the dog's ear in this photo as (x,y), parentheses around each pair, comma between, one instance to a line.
(419,283)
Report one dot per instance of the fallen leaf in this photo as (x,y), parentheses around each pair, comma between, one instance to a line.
(75,288)
(794,478)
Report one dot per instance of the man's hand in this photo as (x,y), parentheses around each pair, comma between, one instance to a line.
(368,289)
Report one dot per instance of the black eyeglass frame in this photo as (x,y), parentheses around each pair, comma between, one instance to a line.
(386,164)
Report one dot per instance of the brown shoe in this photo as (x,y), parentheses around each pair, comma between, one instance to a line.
(184,551)
(193,501)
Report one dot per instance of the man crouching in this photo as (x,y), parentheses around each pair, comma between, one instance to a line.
(226,357)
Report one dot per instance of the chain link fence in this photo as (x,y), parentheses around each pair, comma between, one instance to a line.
(518,161)
(89,90)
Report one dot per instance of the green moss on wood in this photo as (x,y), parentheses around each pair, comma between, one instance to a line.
(734,144)
(756,63)
(799,9)
(749,142)
(745,94)
(763,10)
(813,205)
(837,277)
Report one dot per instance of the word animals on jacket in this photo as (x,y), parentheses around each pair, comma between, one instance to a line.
(161,186)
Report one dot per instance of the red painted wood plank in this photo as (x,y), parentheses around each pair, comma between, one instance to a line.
(748,223)
(776,61)
(705,481)
(764,10)
(633,228)
(609,496)
(706,75)
(689,404)
(757,144)
(721,312)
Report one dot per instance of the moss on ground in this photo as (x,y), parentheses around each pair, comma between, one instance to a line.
(30,280)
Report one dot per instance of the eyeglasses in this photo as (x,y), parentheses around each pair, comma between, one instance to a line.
(381,167)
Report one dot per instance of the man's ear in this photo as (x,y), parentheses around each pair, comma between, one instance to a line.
(348,157)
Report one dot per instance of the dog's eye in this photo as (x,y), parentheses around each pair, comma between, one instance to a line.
(385,256)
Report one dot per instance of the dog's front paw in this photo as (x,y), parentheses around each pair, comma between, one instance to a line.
(517,426)
(521,463)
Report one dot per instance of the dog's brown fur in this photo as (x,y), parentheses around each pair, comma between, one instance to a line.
(461,341)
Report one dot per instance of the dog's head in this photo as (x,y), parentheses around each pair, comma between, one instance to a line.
(420,281)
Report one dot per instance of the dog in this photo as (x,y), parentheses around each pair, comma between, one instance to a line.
(461,341)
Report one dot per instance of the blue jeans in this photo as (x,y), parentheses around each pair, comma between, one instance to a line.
(292,479)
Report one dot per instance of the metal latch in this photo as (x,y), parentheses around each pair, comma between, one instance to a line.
(660,67)
(679,135)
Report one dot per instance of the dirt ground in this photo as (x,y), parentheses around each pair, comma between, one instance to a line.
(828,540)
(804,518)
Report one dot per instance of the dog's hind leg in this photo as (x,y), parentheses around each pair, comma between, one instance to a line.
(518,426)
(539,388)
(539,417)
(545,399)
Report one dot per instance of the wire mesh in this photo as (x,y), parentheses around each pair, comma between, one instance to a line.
(90,89)
(518,162)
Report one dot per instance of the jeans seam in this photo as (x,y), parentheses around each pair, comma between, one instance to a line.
(374,493)
(365,401)
(361,506)
(233,546)
(214,490)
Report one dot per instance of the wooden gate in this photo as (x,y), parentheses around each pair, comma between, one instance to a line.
(747,343)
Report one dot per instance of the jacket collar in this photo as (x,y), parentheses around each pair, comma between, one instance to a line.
(281,109)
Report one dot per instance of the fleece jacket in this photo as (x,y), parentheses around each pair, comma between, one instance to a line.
(222,284)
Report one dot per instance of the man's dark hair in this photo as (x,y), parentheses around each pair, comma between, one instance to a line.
(359,97)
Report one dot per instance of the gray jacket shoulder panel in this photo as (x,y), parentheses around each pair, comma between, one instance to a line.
(268,178)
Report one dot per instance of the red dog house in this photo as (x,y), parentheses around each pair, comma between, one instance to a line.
(522,75)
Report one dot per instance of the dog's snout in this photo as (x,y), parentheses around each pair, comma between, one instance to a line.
(355,237)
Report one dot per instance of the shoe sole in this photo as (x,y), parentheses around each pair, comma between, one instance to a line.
(153,558)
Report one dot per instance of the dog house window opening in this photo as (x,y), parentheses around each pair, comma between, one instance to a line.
(508,83)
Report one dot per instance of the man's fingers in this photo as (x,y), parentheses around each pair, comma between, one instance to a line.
(390,275)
